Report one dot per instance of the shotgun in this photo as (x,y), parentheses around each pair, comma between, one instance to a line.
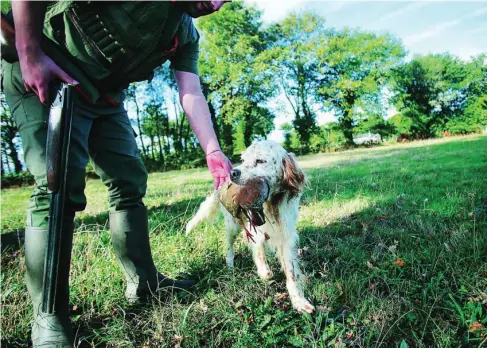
(57,150)
(57,154)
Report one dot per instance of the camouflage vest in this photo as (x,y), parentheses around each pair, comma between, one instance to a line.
(115,43)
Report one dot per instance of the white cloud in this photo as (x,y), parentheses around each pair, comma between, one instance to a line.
(479,12)
(467,51)
(277,136)
(440,28)
(275,10)
(478,30)
(335,6)
(323,118)
(399,12)
(430,32)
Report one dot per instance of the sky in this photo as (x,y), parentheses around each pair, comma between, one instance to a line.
(458,27)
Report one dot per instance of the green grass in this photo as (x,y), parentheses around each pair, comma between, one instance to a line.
(424,203)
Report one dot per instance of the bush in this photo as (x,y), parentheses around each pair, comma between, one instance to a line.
(19,179)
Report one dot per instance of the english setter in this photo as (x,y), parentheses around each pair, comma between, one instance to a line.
(269,161)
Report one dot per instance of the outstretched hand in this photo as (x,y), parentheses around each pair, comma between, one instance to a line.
(219,166)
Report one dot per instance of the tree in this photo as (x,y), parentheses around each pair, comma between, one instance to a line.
(401,123)
(235,72)
(179,133)
(334,134)
(296,41)
(355,67)
(131,94)
(150,129)
(286,131)
(474,115)
(9,135)
(320,141)
(376,124)
(163,124)
(436,90)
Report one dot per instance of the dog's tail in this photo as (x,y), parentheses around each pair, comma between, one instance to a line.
(208,210)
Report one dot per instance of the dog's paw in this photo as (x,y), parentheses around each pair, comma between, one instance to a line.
(189,227)
(264,273)
(302,305)
(230,260)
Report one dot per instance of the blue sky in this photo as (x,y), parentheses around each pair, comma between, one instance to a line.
(458,27)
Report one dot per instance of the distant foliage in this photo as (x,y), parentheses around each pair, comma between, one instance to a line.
(10,140)
(23,178)
(439,93)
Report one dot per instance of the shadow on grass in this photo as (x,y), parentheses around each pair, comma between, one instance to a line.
(14,240)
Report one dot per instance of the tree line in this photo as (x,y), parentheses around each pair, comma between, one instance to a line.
(353,74)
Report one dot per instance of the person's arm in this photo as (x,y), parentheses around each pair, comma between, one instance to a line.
(29,18)
(196,110)
(37,69)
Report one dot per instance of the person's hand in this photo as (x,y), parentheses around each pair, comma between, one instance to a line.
(219,166)
(38,70)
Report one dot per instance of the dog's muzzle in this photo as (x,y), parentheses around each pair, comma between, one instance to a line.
(246,199)
(255,210)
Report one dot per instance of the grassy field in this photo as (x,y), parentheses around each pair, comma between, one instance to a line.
(393,241)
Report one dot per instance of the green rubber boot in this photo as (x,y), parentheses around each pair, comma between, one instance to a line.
(130,239)
(49,330)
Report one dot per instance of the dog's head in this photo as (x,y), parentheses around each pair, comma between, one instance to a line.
(268,160)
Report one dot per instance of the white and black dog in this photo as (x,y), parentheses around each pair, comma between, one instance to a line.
(269,161)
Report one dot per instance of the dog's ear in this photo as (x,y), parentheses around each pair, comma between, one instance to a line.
(293,177)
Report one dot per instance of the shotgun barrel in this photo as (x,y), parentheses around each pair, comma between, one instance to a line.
(57,151)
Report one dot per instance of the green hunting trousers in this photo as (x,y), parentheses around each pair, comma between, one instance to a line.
(100,133)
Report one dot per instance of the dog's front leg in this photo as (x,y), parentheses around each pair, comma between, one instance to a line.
(258,253)
(287,257)
(232,228)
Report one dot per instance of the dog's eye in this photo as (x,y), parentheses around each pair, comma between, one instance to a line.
(259,161)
